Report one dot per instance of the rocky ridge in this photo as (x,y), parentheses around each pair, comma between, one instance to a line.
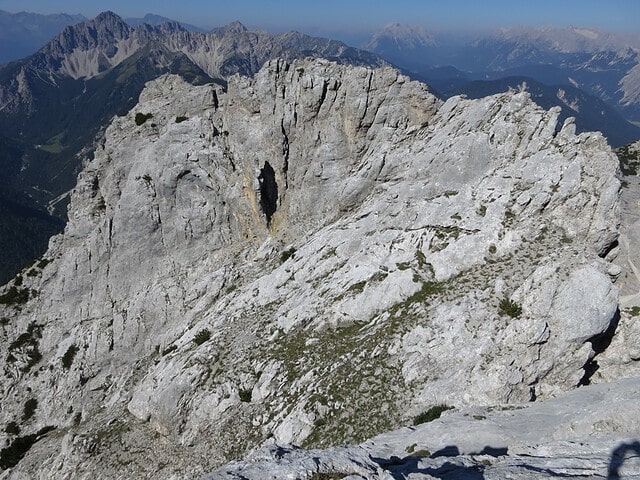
(55,103)
(88,49)
(314,256)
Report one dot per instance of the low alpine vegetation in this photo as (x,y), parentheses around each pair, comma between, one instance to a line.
(67,358)
(142,117)
(510,308)
(287,254)
(431,414)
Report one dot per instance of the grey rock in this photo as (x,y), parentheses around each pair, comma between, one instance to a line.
(313,256)
(590,432)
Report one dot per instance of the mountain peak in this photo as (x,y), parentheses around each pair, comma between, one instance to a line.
(233,27)
(107,17)
(71,52)
(403,36)
(107,23)
(411,220)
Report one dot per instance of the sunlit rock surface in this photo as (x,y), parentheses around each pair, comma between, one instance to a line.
(312,257)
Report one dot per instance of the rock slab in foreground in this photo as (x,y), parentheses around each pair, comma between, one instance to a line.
(593,432)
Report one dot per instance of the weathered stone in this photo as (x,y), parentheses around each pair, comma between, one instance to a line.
(373,287)
(591,432)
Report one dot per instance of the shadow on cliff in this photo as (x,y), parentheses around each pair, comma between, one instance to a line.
(401,468)
(619,455)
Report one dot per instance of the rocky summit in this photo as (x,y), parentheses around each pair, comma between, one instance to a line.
(311,257)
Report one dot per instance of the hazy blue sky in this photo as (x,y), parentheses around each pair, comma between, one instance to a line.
(358,16)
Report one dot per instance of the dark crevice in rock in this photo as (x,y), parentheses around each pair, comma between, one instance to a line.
(532,392)
(215,100)
(599,343)
(606,250)
(589,368)
(323,95)
(285,155)
(268,191)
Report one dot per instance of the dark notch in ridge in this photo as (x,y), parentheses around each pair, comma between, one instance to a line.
(268,191)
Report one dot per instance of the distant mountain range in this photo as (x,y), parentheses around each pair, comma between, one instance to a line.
(603,65)
(54,103)
(152,19)
(23,33)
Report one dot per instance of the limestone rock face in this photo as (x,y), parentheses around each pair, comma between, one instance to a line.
(587,433)
(315,255)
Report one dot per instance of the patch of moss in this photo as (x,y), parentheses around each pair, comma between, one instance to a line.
(67,358)
(510,308)
(142,117)
(432,414)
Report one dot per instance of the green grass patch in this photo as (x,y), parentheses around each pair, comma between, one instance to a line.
(14,296)
(29,409)
(245,395)
(357,288)
(142,117)
(10,456)
(12,428)
(510,308)
(27,343)
(67,358)
(633,311)
(629,159)
(287,254)
(430,415)
(54,145)
(170,349)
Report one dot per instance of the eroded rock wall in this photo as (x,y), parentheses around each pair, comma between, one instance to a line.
(314,255)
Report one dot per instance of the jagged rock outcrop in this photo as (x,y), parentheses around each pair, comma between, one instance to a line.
(315,255)
(55,103)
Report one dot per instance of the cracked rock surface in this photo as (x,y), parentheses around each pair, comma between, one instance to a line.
(588,433)
(312,257)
